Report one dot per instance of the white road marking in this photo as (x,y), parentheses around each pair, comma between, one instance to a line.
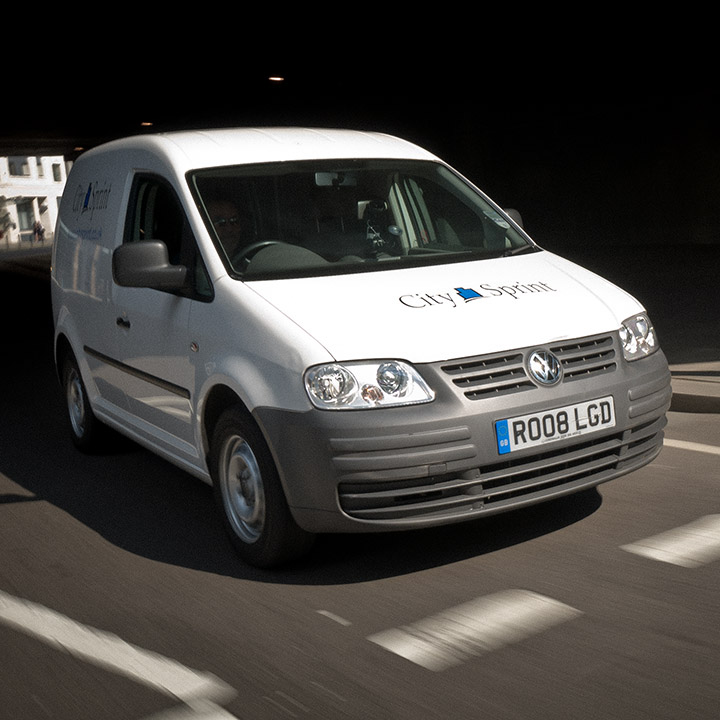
(334,617)
(106,650)
(474,628)
(692,545)
(695,447)
(285,698)
(328,691)
(200,710)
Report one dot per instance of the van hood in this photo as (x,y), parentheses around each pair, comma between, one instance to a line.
(451,311)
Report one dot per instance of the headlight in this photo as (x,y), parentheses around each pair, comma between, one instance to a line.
(638,337)
(353,386)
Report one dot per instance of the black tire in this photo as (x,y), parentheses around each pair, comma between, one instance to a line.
(249,494)
(87,432)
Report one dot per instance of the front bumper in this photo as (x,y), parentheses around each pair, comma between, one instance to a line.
(394,468)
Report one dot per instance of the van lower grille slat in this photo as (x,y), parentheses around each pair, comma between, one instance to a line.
(489,489)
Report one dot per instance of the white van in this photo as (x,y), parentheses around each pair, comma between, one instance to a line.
(341,334)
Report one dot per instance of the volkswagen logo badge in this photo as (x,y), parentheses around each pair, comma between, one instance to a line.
(544,367)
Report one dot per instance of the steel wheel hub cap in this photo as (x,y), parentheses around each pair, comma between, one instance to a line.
(243,490)
(75,405)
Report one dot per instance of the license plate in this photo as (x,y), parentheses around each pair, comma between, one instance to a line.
(548,426)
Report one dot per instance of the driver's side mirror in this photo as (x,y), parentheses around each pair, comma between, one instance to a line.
(515,216)
(145,264)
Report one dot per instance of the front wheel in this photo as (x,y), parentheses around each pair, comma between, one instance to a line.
(250,496)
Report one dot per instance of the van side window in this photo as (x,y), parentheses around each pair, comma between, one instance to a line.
(155,213)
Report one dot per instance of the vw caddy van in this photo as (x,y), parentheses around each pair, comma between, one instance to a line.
(341,334)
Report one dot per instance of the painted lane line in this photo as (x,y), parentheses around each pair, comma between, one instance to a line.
(695,447)
(334,617)
(329,692)
(479,626)
(286,703)
(111,652)
(692,545)
(196,711)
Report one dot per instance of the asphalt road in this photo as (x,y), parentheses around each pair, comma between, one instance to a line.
(120,597)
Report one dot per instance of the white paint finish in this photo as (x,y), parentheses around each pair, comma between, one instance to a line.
(417,314)
(691,546)
(482,625)
(695,447)
(112,653)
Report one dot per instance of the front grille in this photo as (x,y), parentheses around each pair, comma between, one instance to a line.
(583,358)
(505,484)
(493,376)
(489,376)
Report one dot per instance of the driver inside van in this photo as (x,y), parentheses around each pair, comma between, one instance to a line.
(226,220)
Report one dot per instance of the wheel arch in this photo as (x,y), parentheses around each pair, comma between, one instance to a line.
(218,400)
(63,349)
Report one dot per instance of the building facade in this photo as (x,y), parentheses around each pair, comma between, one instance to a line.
(30,192)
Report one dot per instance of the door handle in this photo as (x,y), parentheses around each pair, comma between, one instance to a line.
(123,323)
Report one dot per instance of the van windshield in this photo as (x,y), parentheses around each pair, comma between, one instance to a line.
(298,219)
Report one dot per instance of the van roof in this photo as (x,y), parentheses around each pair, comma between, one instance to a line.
(187,150)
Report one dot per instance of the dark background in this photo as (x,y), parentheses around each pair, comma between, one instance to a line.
(612,142)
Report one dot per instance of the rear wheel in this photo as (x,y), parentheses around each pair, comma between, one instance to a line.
(86,430)
(250,496)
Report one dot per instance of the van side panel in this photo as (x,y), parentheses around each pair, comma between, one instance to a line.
(90,218)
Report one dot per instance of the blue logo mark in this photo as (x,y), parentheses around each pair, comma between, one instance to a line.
(86,201)
(468,294)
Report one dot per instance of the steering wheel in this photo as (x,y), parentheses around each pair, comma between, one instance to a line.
(243,256)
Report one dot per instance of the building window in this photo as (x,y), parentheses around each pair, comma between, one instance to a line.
(26,217)
(19,166)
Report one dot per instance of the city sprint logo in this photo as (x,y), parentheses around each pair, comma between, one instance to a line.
(462,295)
(88,199)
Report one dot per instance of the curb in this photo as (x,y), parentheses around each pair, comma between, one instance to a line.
(696,388)
(685,402)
